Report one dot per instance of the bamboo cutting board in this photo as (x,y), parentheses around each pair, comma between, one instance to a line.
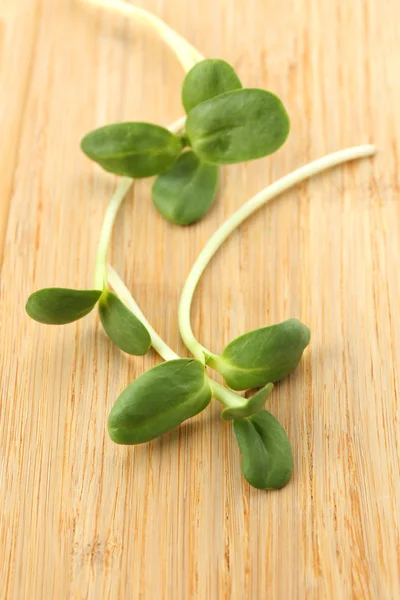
(174,519)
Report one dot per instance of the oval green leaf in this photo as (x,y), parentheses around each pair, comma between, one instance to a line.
(209,78)
(253,405)
(261,356)
(122,326)
(267,460)
(158,401)
(58,306)
(132,149)
(184,193)
(237,126)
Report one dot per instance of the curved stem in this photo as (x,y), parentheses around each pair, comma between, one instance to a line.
(283,184)
(187,54)
(100,277)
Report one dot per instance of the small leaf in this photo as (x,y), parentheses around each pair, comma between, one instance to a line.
(132,149)
(184,193)
(237,126)
(267,461)
(158,401)
(264,355)
(209,78)
(254,404)
(122,326)
(58,306)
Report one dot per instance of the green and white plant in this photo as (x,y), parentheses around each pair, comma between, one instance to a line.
(225,123)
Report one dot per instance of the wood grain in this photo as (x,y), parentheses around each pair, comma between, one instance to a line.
(82,518)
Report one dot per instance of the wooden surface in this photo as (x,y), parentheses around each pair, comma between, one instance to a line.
(83,518)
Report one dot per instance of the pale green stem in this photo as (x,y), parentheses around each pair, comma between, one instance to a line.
(100,276)
(227,397)
(185,52)
(280,186)
(188,56)
(110,216)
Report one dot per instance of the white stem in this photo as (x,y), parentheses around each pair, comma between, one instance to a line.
(185,52)
(100,276)
(283,184)
(110,216)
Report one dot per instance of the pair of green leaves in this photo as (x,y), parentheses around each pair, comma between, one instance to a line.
(264,355)
(226,124)
(58,306)
(172,392)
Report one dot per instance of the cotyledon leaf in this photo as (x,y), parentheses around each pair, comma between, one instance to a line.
(158,401)
(184,193)
(267,460)
(237,126)
(58,306)
(132,149)
(261,356)
(207,79)
(122,326)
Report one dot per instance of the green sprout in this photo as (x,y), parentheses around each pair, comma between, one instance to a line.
(225,124)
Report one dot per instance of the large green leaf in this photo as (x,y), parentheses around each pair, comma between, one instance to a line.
(158,401)
(122,326)
(267,461)
(184,193)
(58,306)
(132,149)
(261,356)
(237,126)
(209,78)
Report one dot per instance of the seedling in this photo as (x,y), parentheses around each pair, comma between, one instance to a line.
(225,124)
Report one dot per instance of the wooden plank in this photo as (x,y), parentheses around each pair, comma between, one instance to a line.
(82,518)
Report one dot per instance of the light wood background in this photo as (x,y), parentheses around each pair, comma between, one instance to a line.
(174,519)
